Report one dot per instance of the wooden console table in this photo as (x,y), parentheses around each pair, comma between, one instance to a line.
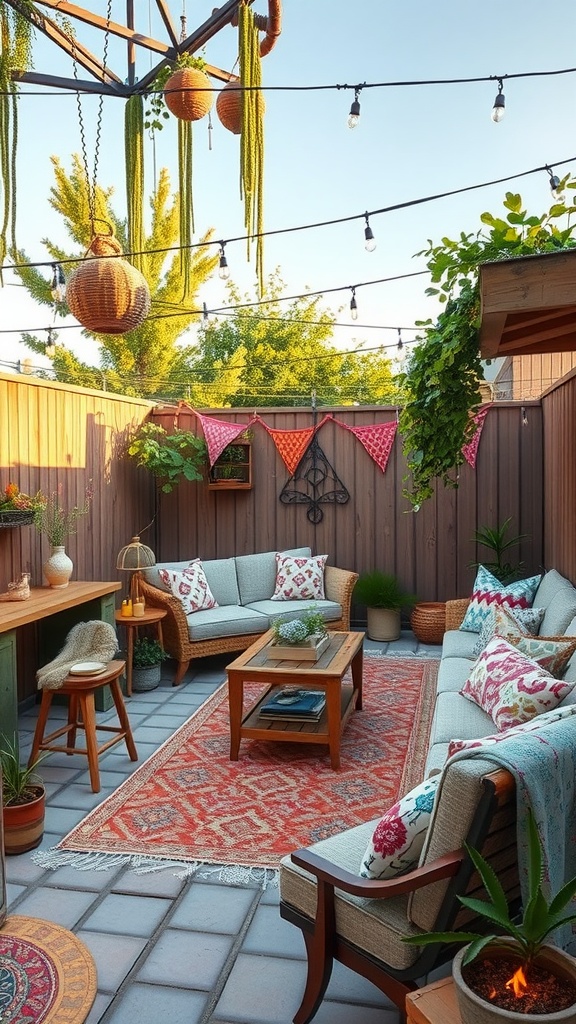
(79,600)
(433,1004)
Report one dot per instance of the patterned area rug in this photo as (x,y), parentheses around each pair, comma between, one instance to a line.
(46,974)
(189,804)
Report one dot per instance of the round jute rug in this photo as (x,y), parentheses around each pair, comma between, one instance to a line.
(46,974)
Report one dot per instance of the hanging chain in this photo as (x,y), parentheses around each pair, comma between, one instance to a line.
(91,185)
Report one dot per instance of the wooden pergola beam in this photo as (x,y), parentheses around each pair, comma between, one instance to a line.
(114,28)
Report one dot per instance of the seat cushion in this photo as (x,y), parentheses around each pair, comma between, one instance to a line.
(559,613)
(459,644)
(454,716)
(376,926)
(549,586)
(257,574)
(293,609)
(227,620)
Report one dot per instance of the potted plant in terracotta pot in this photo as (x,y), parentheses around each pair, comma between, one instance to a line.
(23,800)
(147,660)
(384,598)
(515,976)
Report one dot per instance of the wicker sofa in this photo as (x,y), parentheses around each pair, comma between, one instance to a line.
(243,587)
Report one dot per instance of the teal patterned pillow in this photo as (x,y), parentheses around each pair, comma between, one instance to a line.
(488,592)
(398,838)
(529,620)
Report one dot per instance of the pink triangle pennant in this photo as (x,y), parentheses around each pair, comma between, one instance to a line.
(218,434)
(470,450)
(377,439)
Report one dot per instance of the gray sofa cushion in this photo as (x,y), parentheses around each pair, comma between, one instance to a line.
(559,613)
(228,620)
(220,573)
(548,587)
(452,674)
(456,718)
(459,643)
(257,574)
(292,609)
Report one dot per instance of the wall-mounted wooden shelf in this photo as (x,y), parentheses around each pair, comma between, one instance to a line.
(232,474)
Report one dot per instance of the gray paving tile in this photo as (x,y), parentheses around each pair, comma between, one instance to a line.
(61,819)
(13,892)
(262,990)
(347,1013)
(101,1002)
(78,796)
(213,908)
(152,883)
(270,934)
(23,871)
(186,959)
(172,721)
(114,956)
(156,734)
(148,1004)
(74,878)
(128,915)
(64,774)
(49,905)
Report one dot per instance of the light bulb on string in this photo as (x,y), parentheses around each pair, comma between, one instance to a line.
(400,344)
(58,283)
(354,115)
(555,184)
(499,108)
(224,270)
(369,240)
(353,306)
(50,347)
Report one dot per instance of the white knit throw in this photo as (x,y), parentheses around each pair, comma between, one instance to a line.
(86,641)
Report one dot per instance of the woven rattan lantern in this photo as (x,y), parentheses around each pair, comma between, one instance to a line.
(107,294)
(229,106)
(188,95)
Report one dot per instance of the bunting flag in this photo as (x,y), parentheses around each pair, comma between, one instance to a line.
(377,439)
(291,444)
(219,433)
(470,450)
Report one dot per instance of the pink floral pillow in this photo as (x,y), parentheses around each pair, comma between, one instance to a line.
(534,723)
(190,586)
(299,578)
(510,687)
(398,838)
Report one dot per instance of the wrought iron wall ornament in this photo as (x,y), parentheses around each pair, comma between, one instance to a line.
(319,482)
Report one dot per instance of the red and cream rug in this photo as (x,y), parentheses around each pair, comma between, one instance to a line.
(188,804)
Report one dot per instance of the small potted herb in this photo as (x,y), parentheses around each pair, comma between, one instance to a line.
(147,658)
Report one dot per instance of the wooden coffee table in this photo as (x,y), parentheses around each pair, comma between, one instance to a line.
(254,666)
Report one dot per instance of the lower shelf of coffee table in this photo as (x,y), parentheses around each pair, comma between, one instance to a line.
(255,727)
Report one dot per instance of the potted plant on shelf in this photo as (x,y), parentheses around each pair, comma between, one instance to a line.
(58,523)
(304,638)
(519,978)
(384,598)
(232,467)
(23,800)
(18,508)
(147,659)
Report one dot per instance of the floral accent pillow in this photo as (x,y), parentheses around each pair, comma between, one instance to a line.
(190,586)
(529,620)
(551,652)
(299,578)
(455,746)
(488,591)
(510,687)
(398,838)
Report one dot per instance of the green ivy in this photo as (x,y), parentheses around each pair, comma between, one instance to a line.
(444,371)
(170,457)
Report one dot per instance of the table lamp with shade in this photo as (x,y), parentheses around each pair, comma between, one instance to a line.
(131,558)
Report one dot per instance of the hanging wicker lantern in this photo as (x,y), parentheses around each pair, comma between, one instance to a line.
(193,101)
(229,106)
(107,295)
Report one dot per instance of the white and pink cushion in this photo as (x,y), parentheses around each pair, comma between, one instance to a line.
(455,746)
(551,652)
(299,578)
(510,687)
(190,586)
(488,591)
(398,838)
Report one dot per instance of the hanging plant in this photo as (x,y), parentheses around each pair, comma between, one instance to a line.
(15,58)
(229,106)
(105,293)
(134,160)
(187,92)
(252,136)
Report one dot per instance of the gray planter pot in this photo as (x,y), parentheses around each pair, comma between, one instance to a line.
(475,1010)
(383,623)
(147,678)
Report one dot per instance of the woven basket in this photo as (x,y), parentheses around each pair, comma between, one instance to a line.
(428,622)
(187,94)
(105,293)
(16,517)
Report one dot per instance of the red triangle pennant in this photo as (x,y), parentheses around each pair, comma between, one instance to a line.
(377,439)
(291,444)
(470,450)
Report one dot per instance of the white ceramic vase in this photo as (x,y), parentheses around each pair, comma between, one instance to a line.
(58,568)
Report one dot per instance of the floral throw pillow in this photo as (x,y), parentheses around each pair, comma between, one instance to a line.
(510,687)
(488,591)
(398,838)
(299,579)
(190,586)
(529,620)
(455,746)
(551,652)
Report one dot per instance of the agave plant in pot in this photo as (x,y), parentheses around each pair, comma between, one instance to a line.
(512,974)
(23,800)
(384,598)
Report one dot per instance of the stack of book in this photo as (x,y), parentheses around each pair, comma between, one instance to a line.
(292,705)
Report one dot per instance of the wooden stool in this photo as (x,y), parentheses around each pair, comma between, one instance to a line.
(82,715)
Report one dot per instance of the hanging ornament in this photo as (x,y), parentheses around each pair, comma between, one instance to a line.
(229,106)
(188,95)
(105,293)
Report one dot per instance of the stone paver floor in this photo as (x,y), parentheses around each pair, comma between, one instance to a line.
(194,951)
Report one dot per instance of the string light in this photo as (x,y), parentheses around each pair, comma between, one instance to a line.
(369,240)
(353,306)
(224,270)
(50,347)
(400,344)
(354,115)
(555,184)
(498,109)
(58,285)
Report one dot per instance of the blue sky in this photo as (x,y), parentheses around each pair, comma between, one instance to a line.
(411,142)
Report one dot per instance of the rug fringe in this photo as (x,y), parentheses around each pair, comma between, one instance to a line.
(234,874)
